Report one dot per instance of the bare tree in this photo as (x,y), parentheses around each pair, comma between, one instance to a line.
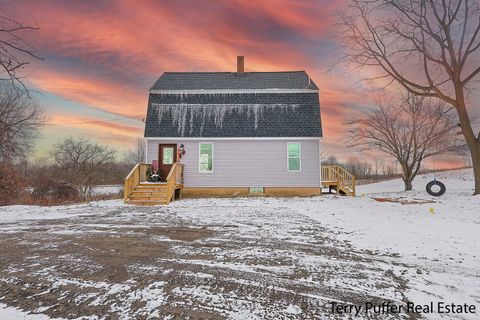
(389,170)
(378,164)
(414,130)
(361,169)
(429,47)
(81,162)
(136,154)
(324,154)
(15,52)
(330,160)
(20,120)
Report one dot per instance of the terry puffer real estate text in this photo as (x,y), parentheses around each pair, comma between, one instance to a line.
(389,307)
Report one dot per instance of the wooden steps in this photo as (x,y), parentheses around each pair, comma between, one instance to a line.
(149,194)
(337,178)
(138,191)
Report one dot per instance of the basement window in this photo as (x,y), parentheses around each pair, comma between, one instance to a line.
(256,190)
(294,156)
(205,160)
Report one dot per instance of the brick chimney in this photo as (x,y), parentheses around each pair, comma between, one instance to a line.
(240,64)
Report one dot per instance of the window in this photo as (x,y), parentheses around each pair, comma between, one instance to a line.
(293,156)
(205,161)
(256,190)
(167,155)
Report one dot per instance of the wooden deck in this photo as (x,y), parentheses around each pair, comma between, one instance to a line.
(338,178)
(138,191)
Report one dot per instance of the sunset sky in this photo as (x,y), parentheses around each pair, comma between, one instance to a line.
(100,58)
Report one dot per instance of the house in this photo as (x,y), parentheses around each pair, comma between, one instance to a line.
(240,133)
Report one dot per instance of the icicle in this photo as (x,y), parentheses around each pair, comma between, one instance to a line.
(179,113)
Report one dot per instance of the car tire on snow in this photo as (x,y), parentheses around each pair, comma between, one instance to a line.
(438,193)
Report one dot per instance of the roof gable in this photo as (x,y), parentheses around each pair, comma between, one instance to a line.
(234,81)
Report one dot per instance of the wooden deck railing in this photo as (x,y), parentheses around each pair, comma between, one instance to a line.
(174,178)
(138,174)
(341,176)
(179,174)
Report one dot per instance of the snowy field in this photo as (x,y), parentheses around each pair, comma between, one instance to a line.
(255,258)
(106,189)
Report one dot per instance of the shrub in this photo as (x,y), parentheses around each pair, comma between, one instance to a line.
(64,191)
(11,184)
(41,187)
(120,193)
(44,188)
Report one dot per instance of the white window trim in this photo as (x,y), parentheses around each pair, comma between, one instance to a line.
(199,155)
(300,156)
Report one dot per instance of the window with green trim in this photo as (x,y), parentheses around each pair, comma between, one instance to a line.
(294,156)
(205,163)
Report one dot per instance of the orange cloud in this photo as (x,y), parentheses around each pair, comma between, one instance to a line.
(96,126)
(107,96)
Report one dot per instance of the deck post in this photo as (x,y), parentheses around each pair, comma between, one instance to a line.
(353,186)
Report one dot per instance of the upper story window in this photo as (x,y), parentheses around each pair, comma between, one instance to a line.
(294,156)
(205,160)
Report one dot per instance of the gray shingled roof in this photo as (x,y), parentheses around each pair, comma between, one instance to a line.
(287,111)
(234,81)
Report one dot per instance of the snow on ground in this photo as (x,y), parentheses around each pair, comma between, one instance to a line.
(244,258)
(106,189)
(10,313)
(443,237)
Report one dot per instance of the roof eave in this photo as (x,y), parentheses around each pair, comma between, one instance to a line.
(227,91)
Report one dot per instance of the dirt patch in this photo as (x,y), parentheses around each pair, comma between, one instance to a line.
(115,253)
(255,266)
(122,248)
(181,233)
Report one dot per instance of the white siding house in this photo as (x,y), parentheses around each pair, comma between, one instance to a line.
(246,163)
(242,132)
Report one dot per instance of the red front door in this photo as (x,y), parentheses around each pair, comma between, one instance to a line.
(167,156)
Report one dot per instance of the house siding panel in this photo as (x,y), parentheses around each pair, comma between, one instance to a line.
(247,163)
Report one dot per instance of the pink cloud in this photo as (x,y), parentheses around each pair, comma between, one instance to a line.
(106,54)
